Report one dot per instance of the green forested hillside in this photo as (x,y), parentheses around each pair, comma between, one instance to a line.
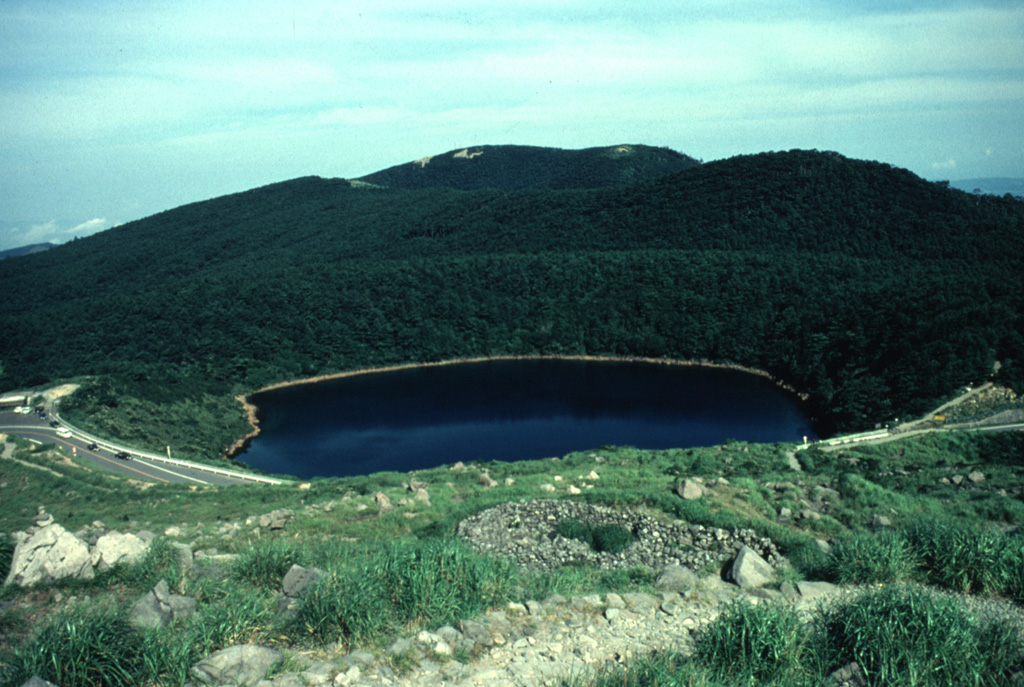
(866,287)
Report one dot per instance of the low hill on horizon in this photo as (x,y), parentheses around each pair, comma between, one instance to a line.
(25,250)
(997,186)
(513,167)
(867,288)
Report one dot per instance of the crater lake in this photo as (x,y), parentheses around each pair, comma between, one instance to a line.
(420,417)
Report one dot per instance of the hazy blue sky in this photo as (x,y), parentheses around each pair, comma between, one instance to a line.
(114,110)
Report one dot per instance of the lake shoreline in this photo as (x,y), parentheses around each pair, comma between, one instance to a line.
(252,410)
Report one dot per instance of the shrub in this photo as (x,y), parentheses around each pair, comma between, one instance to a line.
(612,538)
(603,538)
(570,528)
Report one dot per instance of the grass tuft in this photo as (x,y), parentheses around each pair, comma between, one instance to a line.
(82,647)
(389,585)
(265,564)
(910,636)
(755,643)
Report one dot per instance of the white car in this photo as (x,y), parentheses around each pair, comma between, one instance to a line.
(64,432)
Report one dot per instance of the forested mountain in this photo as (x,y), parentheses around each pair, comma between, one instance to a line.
(868,288)
(516,167)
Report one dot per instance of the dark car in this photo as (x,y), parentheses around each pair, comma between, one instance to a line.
(94,447)
(54,423)
(123,455)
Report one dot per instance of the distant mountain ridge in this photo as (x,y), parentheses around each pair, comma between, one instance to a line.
(996,186)
(513,167)
(25,250)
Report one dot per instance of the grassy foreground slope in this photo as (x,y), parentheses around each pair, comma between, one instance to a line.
(869,289)
(955,534)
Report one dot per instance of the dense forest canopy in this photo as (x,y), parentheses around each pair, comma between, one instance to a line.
(868,288)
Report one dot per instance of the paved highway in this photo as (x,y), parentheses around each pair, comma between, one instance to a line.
(142,467)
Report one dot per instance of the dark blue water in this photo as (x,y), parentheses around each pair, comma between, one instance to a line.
(511,410)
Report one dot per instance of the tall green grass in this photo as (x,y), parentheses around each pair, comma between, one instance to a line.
(265,564)
(82,647)
(6,556)
(750,644)
(393,585)
(910,637)
(972,560)
(963,557)
(899,636)
(882,557)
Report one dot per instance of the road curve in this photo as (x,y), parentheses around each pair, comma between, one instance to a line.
(32,427)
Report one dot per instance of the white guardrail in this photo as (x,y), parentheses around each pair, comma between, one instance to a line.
(851,438)
(170,461)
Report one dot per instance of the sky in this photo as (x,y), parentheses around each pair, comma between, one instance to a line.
(114,110)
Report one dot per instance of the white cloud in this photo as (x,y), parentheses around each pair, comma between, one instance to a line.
(167,103)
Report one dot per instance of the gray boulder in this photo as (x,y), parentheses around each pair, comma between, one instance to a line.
(383,503)
(675,578)
(294,586)
(184,552)
(47,554)
(298,579)
(276,519)
(879,522)
(236,665)
(36,681)
(815,590)
(113,548)
(160,608)
(690,490)
(749,570)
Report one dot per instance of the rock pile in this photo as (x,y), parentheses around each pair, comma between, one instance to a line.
(46,552)
(526,532)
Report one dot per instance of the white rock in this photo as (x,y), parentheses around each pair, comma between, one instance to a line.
(51,553)
(114,547)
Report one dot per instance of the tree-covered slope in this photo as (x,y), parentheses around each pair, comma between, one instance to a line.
(511,167)
(866,287)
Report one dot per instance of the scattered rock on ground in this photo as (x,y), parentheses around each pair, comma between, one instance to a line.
(276,519)
(159,607)
(236,665)
(116,547)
